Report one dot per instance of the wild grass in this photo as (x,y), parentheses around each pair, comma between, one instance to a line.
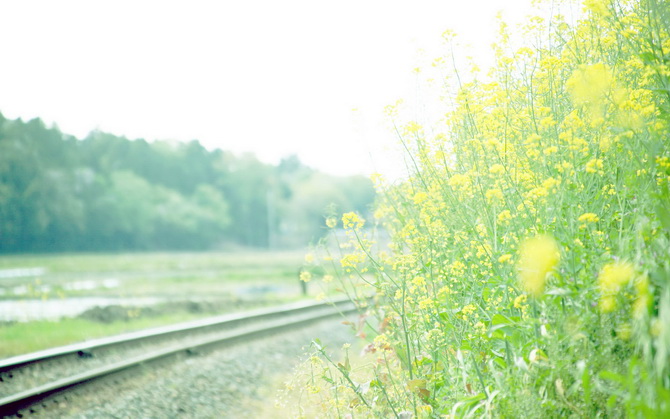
(529,269)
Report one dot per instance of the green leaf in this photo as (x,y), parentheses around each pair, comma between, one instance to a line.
(473,399)
(500,319)
(500,362)
(416,384)
(612,376)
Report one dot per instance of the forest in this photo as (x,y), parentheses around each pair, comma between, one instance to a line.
(108,193)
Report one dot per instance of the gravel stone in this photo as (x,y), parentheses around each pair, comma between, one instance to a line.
(218,384)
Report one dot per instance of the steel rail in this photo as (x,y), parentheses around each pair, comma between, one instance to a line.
(226,320)
(298,314)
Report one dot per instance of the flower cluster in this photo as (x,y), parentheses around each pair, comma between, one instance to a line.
(529,248)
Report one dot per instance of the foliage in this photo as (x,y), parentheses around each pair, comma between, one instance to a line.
(58,193)
(528,271)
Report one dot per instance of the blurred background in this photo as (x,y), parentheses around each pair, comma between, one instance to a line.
(161,160)
(114,231)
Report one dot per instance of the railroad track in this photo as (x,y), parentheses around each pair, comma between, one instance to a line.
(29,383)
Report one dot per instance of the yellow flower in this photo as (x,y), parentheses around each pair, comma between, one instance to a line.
(305,276)
(643,299)
(497,169)
(538,256)
(520,300)
(547,122)
(595,166)
(420,197)
(457,268)
(351,260)
(550,150)
(425,409)
(419,281)
(413,127)
(504,258)
(550,183)
(426,302)
(613,276)
(467,310)
(588,217)
(459,181)
(331,222)
(598,7)
(504,215)
(589,84)
(352,220)
(607,303)
(444,292)
(493,195)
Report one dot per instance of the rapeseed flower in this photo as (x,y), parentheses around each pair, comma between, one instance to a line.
(331,222)
(459,182)
(419,281)
(589,84)
(494,195)
(504,258)
(643,299)
(467,310)
(611,279)
(598,7)
(594,166)
(352,220)
(504,216)
(497,169)
(426,302)
(607,303)
(520,300)
(588,217)
(615,275)
(550,150)
(305,276)
(420,198)
(538,256)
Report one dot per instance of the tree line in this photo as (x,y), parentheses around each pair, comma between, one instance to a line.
(105,192)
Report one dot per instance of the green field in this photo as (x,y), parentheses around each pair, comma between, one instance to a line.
(189,285)
(140,274)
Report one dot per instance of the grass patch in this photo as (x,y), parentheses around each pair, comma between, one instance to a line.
(153,261)
(20,338)
(143,274)
(248,278)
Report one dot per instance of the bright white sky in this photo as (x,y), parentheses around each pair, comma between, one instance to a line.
(266,76)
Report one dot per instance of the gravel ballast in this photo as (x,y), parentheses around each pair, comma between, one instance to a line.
(224,383)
